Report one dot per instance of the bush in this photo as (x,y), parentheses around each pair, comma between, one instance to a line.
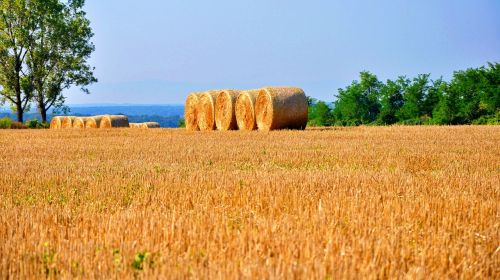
(5,123)
(17,125)
(182,123)
(490,120)
(34,123)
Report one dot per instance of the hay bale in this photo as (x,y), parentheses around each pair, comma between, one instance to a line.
(190,111)
(80,122)
(225,118)
(206,110)
(93,122)
(67,122)
(135,125)
(56,123)
(280,108)
(245,109)
(151,125)
(114,121)
(145,125)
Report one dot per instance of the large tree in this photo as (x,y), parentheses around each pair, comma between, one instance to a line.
(59,56)
(392,99)
(414,96)
(359,103)
(44,49)
(17,27)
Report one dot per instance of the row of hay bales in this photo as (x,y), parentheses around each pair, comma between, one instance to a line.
(102,121)
(268,108)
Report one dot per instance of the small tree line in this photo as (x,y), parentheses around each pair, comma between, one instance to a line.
(44,49)
(471,97)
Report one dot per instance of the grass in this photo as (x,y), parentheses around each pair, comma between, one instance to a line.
(375,202)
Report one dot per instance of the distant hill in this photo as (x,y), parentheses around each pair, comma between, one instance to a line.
(166,115)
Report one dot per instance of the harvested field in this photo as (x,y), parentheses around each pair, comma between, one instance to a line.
(366,202)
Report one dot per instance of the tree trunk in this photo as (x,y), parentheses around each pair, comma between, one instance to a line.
(17,87)
(19,108)
(43,112)
(42,109)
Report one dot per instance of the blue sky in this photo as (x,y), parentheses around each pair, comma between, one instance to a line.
(156,51)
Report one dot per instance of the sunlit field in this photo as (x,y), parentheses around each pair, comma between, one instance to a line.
(374,202)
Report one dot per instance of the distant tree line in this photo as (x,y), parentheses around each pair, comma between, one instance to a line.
(471,97)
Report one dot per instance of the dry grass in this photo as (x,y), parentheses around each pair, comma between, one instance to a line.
(398,202)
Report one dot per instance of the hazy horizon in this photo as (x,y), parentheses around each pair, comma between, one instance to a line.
(155,52)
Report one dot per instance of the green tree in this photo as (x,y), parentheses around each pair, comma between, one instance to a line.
(319,114)
(17,27)
(414,96)
(447,109)
(359,103)
(434,95)
(392,100)
(58,57)
(478,92)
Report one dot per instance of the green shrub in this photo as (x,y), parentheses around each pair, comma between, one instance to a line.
(490,120)
(36,124)
(182,123)
(5,123)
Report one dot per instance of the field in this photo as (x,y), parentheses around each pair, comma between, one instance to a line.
(371,202)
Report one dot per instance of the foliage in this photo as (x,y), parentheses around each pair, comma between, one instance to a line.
(44,48)
(58,58)
(35,123)
(472,96)
(359,103)
(320,114)
(17,25)
(5,123)
(182,123)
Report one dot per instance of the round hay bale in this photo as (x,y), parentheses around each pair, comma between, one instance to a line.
(150,125)
(190,111)
(145,125)
(206,110)
(114,121)
(281,108)
(67,122)
(93,122)
(135,125)
(245,109)
(225,118)
(79,122)
(56,123)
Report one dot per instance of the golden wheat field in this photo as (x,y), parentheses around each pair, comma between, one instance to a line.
(366,202)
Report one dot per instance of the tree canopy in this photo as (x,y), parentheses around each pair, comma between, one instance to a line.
(471,97)
(44,48)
